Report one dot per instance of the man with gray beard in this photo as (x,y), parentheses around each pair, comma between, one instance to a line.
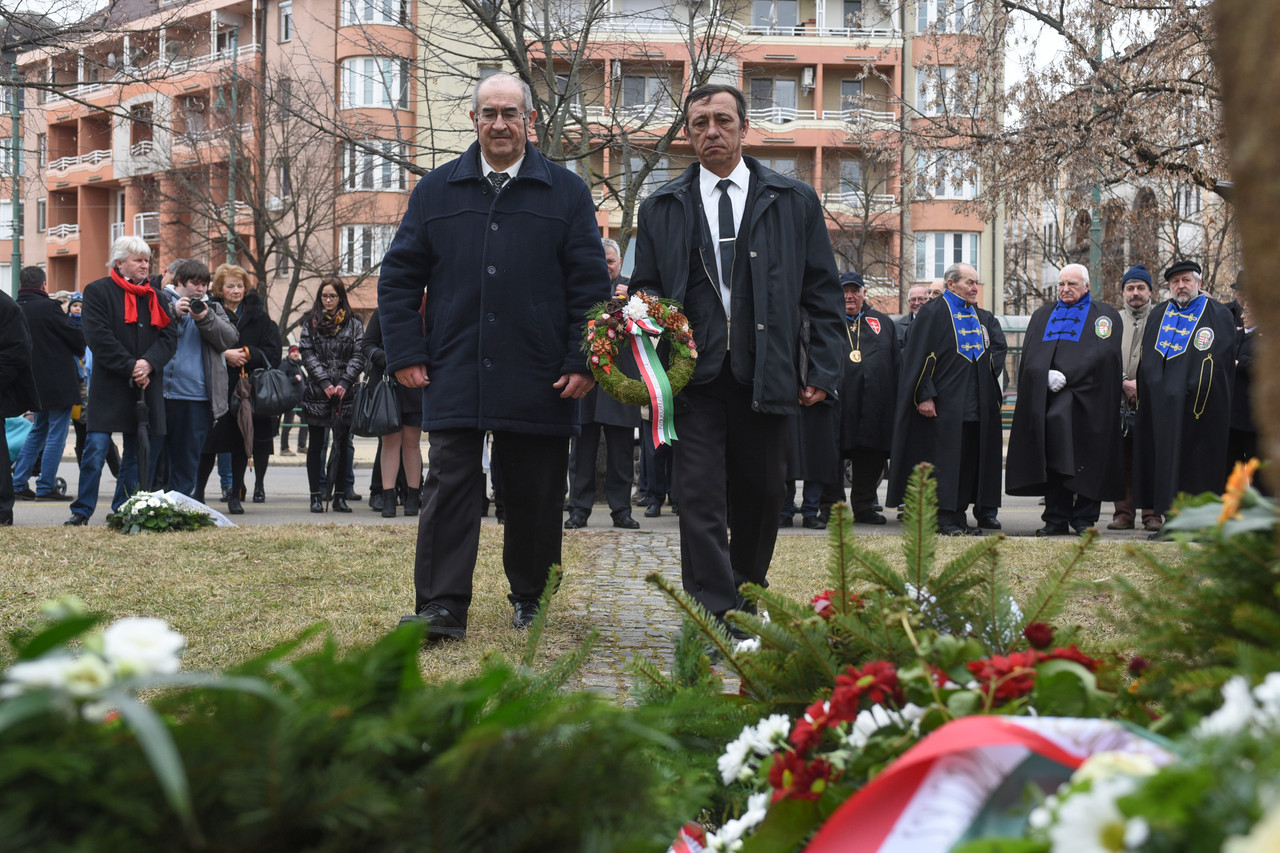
(1136,286)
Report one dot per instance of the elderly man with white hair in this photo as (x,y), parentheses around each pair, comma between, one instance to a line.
(1065,442)
(132,338)
(1184,394)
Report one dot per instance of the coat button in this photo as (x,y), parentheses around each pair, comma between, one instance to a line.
(491,317)
(755,405)
(488,362)
(493,226)
(760,327)
(753,254)
(493,270)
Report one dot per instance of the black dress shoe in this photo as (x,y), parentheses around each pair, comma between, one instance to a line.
(575,521)
(989,522)
(441,624)
(55,496)
(76,520)
(786,521)
(226,493)
(259,495)
(877,508)
(234,507)
(1054,530)
(25,495)
(525,612)
(352,495)
(653,510)
(1080,528)
(869,518)
(952,530)
(375,502)
(626,522)
(340,504)
(812,522)
(317,502)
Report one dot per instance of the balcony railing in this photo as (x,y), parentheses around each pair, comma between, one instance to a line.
(93,158)
(780,115)
(193,137)
(859,200)
(117,231)
(656,21)
(64,232)
(142,148)
(146,225)
(241,209)
(162,65)
(858,116)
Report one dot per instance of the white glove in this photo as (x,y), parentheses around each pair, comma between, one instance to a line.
(1057,381)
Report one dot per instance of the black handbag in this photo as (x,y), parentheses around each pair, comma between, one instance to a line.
(376,411)
(274,393)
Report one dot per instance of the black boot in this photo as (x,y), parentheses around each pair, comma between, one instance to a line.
(317,505)
(340,504)
(413,501)
(388,503)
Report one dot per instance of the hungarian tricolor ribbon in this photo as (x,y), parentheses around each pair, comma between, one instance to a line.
(654,377)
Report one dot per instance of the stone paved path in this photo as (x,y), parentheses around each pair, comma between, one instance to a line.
(632,616)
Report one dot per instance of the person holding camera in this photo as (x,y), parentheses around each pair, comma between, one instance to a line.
(195,382)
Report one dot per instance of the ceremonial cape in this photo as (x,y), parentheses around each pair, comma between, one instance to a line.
(932,367)
(869,389)
(1184,407)
(1076,431)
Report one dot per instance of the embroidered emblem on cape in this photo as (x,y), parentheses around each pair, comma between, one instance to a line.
(1102,328)
(874,324)
(1176,327)
(986,337)
(1204,339)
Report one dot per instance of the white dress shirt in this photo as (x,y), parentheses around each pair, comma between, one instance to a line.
(707,180)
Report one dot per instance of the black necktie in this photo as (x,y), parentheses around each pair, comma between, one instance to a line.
(727,237)
(498,179)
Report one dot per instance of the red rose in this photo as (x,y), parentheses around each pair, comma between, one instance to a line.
(1007,677)
(792,778)
(878,680)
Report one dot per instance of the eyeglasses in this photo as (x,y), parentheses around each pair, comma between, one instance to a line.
(510,115)
(328,296)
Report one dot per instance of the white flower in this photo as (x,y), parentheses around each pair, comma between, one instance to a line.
(729,837)
(751,644)
(1090,822)
(1263,838)
(636,309)
(1237,711)
(86,675)
(770,733)
(152,501)
(733,764)
(877,717)
(97,711)
(46,673)
(142,646)
(1040,818)
(1112,763)
(1268,696)
(1136,833)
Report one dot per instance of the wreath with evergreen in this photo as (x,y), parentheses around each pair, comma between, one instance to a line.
(609,326)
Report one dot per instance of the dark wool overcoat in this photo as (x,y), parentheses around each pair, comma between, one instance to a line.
(792,273)
(509,278)
(869,390)
(18,393)
(1184,410)
(56,345)
(117,346)
(1074,432)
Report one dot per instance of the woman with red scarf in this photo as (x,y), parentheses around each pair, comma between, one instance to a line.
(128,330)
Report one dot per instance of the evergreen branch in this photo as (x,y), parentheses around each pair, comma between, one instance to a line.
(920,522)
(1046,601)
(564,667)
(554,576)
(706,622)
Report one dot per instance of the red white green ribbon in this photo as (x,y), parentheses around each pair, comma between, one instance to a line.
(654,377)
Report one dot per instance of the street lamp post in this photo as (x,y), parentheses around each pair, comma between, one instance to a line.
(15,163)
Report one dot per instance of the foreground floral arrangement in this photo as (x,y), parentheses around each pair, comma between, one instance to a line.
(893,700)
(156,512)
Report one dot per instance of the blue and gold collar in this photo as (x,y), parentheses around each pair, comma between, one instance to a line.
(970,343)
(1177,325)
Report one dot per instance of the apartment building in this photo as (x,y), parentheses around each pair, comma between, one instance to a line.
(233,130)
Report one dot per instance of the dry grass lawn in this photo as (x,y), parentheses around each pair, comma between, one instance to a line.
(235,593)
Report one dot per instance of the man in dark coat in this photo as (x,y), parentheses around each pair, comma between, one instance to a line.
(1184,394)
(746,252)
(505,245)
(618,422)
(18,394)
(132,338)
(1242,443)
(917,296)
(1065,441)
(868,396)
(949,405)
(56,346)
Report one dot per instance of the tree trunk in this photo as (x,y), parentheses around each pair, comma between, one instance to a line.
(1249,67)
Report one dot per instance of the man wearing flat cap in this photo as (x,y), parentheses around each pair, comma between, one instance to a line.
(1184,393)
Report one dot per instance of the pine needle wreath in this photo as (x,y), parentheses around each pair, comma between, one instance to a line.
(606,331)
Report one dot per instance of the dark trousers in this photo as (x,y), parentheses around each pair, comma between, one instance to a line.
(618,469)
(337,476)
(1123,511)
(1063,506)
(6,480)
(534,468)
(655,464)
(731,466)
(967,487)
(187,424)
